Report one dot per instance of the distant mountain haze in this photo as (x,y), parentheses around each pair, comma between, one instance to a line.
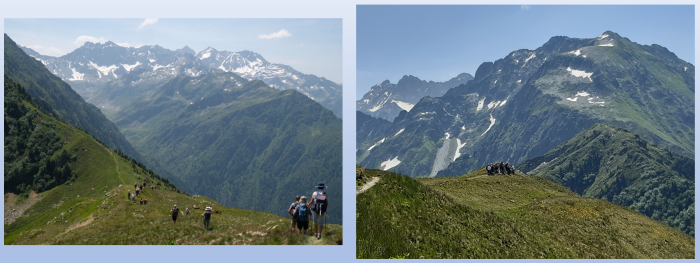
(107,74)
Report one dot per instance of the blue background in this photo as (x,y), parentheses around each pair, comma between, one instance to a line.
(235,9)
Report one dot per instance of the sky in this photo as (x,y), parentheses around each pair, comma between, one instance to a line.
(311,46)
(439,42)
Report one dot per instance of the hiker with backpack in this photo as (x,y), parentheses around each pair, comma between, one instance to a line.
(173,212)
(207,217)
(319,205)
(292,210)
(187,211)
(488,170)
(302,213)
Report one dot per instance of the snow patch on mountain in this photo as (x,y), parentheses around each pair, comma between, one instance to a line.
(576,52)
(130,67)
(601,103)
(580,73)
(459,146)
(496,103)
(391,163)
(480,105)
(493,121)
(76,75)
(104,70)
(530,57)
(375,145)
(403,105)
(400,131)
(205,55)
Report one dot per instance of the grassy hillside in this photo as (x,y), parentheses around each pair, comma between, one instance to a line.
(610,163)
(91,207)
(520,216)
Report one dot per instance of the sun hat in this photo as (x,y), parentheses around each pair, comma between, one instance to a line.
(320,185)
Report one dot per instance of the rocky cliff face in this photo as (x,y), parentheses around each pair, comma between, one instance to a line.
(386,100)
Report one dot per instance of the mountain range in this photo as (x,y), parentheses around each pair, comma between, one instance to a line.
(386,100)
(109,75)
(215,133)
(531,101)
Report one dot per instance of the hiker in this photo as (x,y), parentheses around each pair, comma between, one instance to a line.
(133,198)
(137,191)
(207,217)
(174,213)
(187,211)
(292,210)
(319,204)
(302,212)
(141,201)
(135,186)
(488,169)
(128,195)
(145,201)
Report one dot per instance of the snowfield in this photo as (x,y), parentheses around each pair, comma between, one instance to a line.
(493,121)
(480,105)
(580,73)
(403,105)
(391,163)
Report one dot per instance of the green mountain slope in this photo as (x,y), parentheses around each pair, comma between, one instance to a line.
(519,216)
(613,164)
(66,103)
(90,206)
(242,143)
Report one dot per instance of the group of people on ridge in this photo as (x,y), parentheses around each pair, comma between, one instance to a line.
(300,210)
(174,212)
(500,168)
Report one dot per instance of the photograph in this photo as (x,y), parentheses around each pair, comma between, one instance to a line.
(525,132)
(173,131)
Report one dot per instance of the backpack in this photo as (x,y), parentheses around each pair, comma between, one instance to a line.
(302,212)
(295,211)
(207,214)
(174,211)
(320,202)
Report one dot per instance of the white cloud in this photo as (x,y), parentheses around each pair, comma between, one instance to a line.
(49,51)
(524,7)
(82,39)
(126,44)
(148,21)
(279,34)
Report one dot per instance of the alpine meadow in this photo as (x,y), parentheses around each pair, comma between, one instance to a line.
(217,144)
(582,147)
